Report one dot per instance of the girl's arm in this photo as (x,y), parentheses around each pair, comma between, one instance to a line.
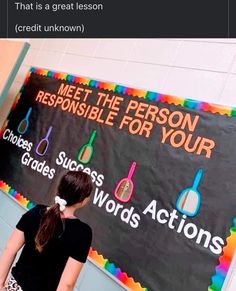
(14,244)
(70,275)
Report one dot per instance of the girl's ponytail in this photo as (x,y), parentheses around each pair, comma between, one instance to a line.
(49,223)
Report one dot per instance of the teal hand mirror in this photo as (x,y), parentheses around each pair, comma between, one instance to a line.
(189,200)
(24,124)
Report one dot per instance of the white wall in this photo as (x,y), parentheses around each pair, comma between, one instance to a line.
(202,69)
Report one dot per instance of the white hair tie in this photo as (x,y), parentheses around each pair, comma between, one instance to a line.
(62,203)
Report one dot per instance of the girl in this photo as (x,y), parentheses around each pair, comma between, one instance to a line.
(56,243)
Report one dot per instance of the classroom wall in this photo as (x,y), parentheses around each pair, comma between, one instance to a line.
(201,69)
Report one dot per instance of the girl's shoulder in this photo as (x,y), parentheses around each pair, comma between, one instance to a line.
(79,226)
(31,218)
(37,210)
(76,222)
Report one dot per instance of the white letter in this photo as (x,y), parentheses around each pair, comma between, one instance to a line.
(126,214)
(159,213)
(151,208)
(173,216)
(135,222)
(216,241)
(51,173)
(73,166)
(99,197)
(24,158)
(5,137)
(110,206)
(182,222)
(99,181)
(186,230)
(208,237)
(59,160)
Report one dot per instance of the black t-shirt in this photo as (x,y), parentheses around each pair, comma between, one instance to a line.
(37,271)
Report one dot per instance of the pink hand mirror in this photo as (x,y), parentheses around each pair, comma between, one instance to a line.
(125,187)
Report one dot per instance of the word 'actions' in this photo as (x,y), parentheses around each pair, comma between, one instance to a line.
(180,225)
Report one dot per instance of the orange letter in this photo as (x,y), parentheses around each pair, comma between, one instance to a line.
(180,141)
(152,111)
(45,98)
(39,96)
(135,126)
(101,96)
(52,100)
(77,93)
(70,91)
(207,145)
(66,104)
(63,89)
(132,105)
(175,119)
(59,100)
(194,146)
(141,108)
(110,117)
(165,134)
(162,118)
(87,91)
(126,119)
(190,124)
(93,113)
(147,127)
(116,103)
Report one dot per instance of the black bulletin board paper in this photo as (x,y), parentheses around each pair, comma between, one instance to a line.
(169,232)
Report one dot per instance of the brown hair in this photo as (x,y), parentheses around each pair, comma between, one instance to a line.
(73,187)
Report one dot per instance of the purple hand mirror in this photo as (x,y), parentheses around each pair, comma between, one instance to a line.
(42,147)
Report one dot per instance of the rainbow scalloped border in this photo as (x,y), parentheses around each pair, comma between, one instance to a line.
(225,259)
(16,195)
(116,272)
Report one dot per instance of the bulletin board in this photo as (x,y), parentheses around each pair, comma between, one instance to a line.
(12,54)
(163,170)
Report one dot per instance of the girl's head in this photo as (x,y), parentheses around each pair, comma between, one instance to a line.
(75,188)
